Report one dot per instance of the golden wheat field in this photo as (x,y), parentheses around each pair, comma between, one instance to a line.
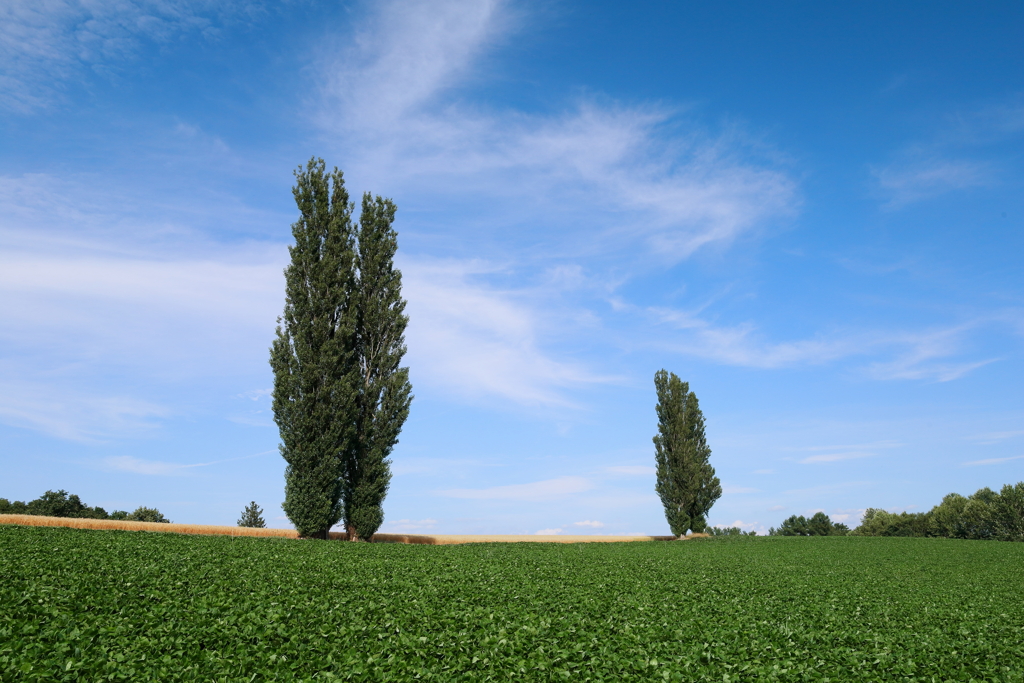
(210,529)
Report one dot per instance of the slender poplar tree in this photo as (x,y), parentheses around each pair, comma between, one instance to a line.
(313,356)
(686,481)
(384,392)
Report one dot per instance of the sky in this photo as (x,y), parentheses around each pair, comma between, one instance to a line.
(811,212)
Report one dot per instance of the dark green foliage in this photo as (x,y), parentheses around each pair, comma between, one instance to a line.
(18,507)
(144,514)
(686,481)
(53,504)
(984,515)
(818,525)
(340,395)
(384,392)
(88,606)
(1008,512)
(881,523)
(314,355)
(252,516)
(728,531)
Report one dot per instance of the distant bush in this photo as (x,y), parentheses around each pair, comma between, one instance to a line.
(729,531)
(818,525)
(984,515)
(143,514)
(61,504)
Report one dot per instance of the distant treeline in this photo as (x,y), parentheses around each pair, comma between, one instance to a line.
(818,525)
(984,515)
(60,504)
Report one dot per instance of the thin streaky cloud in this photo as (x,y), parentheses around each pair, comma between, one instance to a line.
(127,463)
(921,355)
(915,182)
(835,457)
(888,443)
(996,437)
(52,407)
(991,461)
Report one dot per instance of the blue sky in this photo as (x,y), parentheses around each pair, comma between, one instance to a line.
(811,212)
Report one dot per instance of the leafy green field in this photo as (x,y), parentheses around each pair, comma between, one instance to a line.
(102,605)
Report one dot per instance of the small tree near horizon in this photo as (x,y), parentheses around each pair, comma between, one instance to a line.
(252,516)
(686,481)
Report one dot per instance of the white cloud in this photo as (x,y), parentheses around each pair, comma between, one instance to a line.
(547,532)
(593,524)
(627,179)
(549,489)
(477,341)
(407,52)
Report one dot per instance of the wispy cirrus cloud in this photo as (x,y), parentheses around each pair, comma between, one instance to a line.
(835,457)
(838,453)
(627,170)
(44,44)
(997,437)
(992,461)
(909,182)
(959,154)
(47,404)
(931,354)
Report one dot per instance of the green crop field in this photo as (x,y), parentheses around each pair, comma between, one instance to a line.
(111,605)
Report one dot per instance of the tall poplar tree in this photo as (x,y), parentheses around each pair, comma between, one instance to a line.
(384,391)
(686,481)
(313,356)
